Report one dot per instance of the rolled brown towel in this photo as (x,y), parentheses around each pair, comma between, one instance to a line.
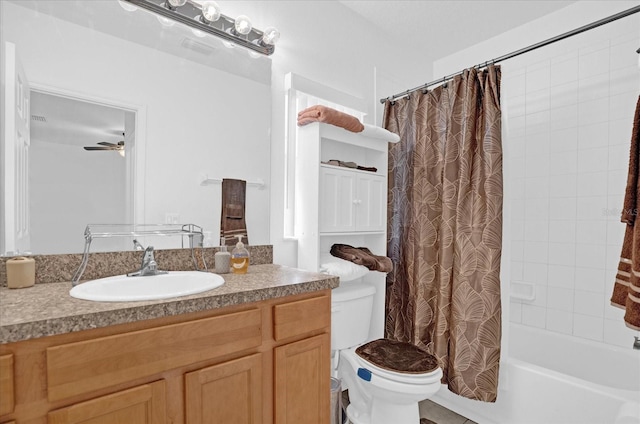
(327,115)
(362,256)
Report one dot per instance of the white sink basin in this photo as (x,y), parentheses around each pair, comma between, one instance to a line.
(127,289)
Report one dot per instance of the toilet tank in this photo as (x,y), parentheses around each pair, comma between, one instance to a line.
(351,306)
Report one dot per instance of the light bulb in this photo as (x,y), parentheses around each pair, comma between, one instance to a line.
(121,152)
(210,11)
(271,36)
(243,25)
(176,3)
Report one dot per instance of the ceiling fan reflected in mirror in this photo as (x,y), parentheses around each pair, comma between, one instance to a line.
(106,146)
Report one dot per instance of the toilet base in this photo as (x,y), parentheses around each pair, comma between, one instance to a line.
(385,413)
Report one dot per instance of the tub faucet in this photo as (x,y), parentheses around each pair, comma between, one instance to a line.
(636,343)
(149,265)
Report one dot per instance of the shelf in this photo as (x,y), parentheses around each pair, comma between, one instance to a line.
(341,135)
(353,233)
(355,170)
(139,230)
(94,231)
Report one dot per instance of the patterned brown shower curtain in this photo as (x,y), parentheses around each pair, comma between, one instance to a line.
(445,228)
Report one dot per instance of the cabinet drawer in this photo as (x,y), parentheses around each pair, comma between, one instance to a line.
(81,367)
(6,384)
(301,317)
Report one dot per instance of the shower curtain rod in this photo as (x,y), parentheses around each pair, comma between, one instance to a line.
(576,31)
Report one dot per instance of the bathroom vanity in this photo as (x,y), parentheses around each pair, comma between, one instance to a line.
(256,350)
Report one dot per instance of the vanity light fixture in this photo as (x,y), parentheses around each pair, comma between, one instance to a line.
(205,16)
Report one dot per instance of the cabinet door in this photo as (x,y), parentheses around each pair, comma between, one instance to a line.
(337,200)
(6,384)
(230,392)
(144,404)
(371,203)
(302,381)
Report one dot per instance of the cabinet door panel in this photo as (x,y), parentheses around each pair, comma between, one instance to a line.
(230,392)
(337,196)
(6,384)
(302,378)
(371,203)
(140,405)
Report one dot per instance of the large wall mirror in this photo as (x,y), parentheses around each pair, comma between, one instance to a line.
(168,105)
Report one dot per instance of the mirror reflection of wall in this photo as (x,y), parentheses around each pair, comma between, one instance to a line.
(69,184)
(200,108)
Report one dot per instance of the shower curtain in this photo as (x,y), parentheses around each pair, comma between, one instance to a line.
(445,228)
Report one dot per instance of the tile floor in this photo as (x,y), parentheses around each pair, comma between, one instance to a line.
(430,410)
(441,415)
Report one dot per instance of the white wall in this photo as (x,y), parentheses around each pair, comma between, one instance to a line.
(567,120)
(68,185)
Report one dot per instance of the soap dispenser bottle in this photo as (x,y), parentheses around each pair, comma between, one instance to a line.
(222,259)
(239,258)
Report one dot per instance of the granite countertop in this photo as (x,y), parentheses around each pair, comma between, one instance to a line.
(48,309)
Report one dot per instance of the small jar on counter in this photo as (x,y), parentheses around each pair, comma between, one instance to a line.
(21,272)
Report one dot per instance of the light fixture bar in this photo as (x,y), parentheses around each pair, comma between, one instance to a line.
(190,15)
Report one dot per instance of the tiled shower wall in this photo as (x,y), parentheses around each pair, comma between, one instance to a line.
(568,114)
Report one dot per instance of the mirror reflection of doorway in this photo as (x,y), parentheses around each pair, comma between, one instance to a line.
(71,186)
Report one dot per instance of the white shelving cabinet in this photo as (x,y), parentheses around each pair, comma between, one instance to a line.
(336,204)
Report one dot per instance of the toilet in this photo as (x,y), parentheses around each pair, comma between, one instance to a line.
(386,379)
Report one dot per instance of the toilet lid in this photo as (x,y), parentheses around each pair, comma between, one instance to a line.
(399,357)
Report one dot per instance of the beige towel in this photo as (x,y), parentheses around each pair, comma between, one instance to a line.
(329,116)
(626,291)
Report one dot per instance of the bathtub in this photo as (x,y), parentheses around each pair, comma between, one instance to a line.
(552,378)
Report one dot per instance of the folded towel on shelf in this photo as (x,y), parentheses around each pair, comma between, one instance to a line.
(362,256)
(353,165)
(626,290)
(327,115)
(374,131)
(347,271)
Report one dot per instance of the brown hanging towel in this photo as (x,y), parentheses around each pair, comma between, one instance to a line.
(232,219)
(626,290)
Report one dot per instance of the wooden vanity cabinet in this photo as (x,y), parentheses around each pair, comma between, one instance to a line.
(260,363)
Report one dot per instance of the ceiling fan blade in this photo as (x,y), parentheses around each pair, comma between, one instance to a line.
(106,143)
(99,148)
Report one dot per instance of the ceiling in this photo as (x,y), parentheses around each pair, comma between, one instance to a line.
(439,28)
(63,120)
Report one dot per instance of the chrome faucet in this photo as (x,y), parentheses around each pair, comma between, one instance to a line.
(149,265)
(636,343)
